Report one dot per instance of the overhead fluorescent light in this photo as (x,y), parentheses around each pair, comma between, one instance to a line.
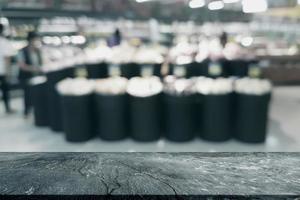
(254,6)
(215,5)
(141,1)
(247,41)
(231,1)
(197,3)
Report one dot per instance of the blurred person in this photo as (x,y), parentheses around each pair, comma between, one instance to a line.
(115,39)
(30,62)
(224,39)
(6,51)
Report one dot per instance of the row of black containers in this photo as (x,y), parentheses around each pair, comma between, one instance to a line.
(177,118)
(207,68)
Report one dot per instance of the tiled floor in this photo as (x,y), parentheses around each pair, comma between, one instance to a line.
(18,134)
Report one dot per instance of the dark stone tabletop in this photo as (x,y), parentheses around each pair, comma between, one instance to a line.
(243,174)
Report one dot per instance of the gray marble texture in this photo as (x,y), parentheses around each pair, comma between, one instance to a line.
(150,173)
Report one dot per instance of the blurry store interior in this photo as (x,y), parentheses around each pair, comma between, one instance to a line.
(150,75)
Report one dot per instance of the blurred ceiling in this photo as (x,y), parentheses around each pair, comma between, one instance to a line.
(164,10)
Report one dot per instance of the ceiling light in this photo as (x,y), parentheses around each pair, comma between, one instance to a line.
(197,3)
(253,6)
(141,1)
(247,41)
(298,1)
(231,1)
(78,39)
(215,5)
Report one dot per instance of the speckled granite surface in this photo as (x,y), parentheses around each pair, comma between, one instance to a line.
(150,173)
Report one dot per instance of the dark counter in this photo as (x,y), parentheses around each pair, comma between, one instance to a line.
(208,174)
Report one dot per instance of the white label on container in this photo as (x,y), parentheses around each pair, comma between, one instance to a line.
(214,69)
(179,71)
(147,71)
(114,70)
(81,72)
(254,71)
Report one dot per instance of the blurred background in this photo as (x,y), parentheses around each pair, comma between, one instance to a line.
(227,75)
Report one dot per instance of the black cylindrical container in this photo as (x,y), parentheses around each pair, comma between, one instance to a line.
(39,100)
(216,117)
(97,70)
(54,101)
(145,120)
(171,69)
(157,70)
(112,116)
(238,67)
(54,104)
(233,112)
(204,68)
(77,117)
(179,117)
(130,70)
(190,70)
(103,70)
(197,69)
(251,117)
(198,112)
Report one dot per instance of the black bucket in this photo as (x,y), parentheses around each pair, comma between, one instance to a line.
(198,112)
(251,117)
(130,70)
(40,106)
(197,69)
(145,118)
(179,117)
(77,112)
(97,70)
(54,101)
(237,68)
(216,117)
(157,70)
(112,116)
